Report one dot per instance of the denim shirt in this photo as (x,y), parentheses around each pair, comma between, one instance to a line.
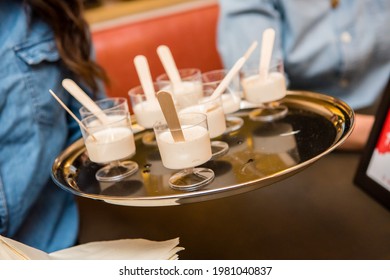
(341,51)
(34,129)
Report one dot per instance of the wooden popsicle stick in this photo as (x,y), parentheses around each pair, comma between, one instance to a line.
(85,100)
(169,64)
(228,78)
(233,71)
(267,46)
(71,113)
(143,71)
(250,50)
(170,114)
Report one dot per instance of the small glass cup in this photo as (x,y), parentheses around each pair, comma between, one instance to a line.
(110,103)
(188,91)
(147,112)
(186,155)
(231,98)
(265,92)
(110,144)
(212,107)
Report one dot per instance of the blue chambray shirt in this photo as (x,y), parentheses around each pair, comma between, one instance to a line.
(34,129)
(343,52)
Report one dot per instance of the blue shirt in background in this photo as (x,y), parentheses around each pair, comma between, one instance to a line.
(342,51)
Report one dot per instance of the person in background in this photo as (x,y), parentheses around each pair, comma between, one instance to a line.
(335,47)
(41,43)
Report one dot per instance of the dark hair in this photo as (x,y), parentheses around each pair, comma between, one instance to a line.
(72,37)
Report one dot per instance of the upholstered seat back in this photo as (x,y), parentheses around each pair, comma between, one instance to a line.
(188,30)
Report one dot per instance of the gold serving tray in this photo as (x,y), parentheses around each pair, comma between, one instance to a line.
(259,154)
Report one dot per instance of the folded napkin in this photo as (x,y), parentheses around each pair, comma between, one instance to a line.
(123,249)
(14,250)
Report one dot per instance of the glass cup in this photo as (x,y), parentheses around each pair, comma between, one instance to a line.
(110,103)
(186,155)
(231,98)
(265,92)
(147,112)
(188,91)
(110,144)
(212,107)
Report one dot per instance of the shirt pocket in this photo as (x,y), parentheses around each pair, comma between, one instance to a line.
(36,53)
(41,70)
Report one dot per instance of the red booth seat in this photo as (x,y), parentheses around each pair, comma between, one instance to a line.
(188,30)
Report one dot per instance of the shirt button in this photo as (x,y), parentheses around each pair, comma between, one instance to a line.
(344,83)
(346,37)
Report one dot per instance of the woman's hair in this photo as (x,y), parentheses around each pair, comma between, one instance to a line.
(72,37)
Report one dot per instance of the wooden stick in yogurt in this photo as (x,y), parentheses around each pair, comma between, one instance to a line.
(250,50)
(85,100)
(71,113)
(233,71)
(170,115)
(143,71)
(169,65)
(267,45)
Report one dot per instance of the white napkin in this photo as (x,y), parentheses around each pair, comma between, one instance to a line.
(123,249)
(14,250)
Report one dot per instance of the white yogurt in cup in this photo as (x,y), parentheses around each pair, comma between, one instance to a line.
(110,144)
(258,91)
(188,91)
(193,151)
(231,97)
(147,112)
(231,103)
(213,109)
(111,141)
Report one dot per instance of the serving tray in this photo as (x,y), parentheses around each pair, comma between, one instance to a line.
(260,154)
